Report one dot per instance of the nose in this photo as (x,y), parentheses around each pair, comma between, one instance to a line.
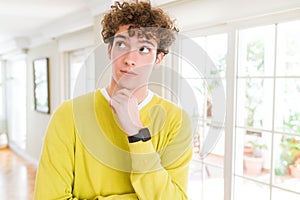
(130,59)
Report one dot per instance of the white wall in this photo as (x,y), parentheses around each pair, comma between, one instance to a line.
(37,122)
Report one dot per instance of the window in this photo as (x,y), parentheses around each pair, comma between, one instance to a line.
(266,123)
(81,72)
(206,174)
(3,120)
(2,108)
(16,102)
(267,151)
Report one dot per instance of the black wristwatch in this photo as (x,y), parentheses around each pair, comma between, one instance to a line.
(144,135)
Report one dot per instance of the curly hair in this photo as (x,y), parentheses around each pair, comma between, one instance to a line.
(151,23)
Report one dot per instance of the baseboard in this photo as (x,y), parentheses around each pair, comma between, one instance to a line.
(22,153)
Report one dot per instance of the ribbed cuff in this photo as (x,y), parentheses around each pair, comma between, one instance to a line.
(144,157)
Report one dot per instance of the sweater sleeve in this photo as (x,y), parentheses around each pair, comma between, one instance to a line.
(55,175)
(54,178)
(162,175)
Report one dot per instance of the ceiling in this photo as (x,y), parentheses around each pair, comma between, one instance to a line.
(24,22)
(28,23)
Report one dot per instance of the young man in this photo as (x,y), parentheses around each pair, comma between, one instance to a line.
(122,141)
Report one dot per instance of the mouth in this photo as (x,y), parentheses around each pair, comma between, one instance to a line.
(128,72)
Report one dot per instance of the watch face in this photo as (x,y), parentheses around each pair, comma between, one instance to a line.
(145,134)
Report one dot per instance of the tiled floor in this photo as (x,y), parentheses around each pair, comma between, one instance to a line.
(16,176)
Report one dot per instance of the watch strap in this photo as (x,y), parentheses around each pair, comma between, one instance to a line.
(143,135)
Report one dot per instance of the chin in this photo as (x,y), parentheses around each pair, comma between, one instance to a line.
(132,84)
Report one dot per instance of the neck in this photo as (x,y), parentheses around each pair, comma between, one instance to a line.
(140,93)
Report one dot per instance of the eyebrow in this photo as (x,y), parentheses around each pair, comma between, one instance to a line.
(148,42)
(140,41)
(121,36)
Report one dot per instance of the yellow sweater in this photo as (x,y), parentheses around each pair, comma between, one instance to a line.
(87,156)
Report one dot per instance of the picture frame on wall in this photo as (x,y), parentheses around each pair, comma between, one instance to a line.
(41,85)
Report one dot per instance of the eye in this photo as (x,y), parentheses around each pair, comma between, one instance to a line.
(120,44)
(145,50)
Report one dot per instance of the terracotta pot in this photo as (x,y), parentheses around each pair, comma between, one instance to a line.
(295,171)
(253,165)
(248,150)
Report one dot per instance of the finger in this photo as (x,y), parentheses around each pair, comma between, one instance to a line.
(111,104)
(124,92)
(133,100)
(120,98)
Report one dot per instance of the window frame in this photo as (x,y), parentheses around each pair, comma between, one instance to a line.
(232,29)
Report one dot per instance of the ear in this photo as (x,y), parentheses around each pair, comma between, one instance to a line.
(159,58)
(109,51)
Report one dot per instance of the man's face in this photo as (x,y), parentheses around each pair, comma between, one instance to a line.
(132,58)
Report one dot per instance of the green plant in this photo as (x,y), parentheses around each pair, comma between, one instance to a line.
(290,146)
(257,148)
(292,122)
(252,101)
(255,62)
(290,151)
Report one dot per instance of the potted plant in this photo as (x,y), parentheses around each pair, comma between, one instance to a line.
(253,157)
(290,151)
(290,146)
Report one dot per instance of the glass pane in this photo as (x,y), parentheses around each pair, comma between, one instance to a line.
(217,154)
(287,109)
(204,181)
(216,47)
(198,87)
(203,91)
(213,57)
(80,81)
(254,103)
(214,182)
(195,185)
(201,41)
(198,139)
(216,101)
(193,58)
(190,71)
(253,154)
(287,161)
(288,42)
(2,110)
(16,106)
(249,190)
(204,112)
(256,51)
(207,85)
(278,194)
